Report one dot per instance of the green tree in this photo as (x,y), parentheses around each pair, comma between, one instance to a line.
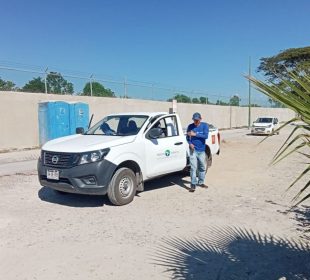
(35,85)
(220,102)
(7,85)
(203,100)
(299,139)
(275,103)
(235,100)
(195,100)
(57,84)
(98,90)
(276,68)
(181,98)
(252,105)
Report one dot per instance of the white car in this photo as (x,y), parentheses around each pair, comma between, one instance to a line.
(118,154)
(265,125)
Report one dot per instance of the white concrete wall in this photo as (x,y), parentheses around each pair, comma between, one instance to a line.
(229,116)
(19,114)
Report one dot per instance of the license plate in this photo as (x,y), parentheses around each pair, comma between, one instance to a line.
(52,174)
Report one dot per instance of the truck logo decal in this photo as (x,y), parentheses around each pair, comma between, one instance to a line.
(167,153)
(55,159)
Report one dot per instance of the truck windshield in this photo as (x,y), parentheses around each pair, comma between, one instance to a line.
(264,120)
(118,125)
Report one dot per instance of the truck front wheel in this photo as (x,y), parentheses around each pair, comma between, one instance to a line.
(122,187)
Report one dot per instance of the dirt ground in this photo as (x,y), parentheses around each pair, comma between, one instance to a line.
(238,228)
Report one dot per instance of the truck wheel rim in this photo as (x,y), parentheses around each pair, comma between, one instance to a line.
(125,186)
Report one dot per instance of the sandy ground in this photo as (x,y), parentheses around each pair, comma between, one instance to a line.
(238,228)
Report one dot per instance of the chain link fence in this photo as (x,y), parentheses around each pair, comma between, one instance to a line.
(30,78)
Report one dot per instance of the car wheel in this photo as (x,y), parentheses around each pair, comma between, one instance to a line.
(122,187)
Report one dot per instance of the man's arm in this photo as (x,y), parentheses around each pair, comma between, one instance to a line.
(204,133)
(188,138)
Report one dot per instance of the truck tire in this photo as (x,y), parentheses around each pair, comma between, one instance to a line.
(207,163)
(60,192)
(122,187)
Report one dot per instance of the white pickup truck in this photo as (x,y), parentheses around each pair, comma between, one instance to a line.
(118,154)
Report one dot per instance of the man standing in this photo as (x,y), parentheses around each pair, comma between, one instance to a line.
(197,133)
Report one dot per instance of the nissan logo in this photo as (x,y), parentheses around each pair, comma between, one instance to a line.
(55,159)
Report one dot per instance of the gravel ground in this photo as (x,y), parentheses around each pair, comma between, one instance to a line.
(238,228)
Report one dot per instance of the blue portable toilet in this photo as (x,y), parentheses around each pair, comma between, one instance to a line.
(53,120)
(79,116)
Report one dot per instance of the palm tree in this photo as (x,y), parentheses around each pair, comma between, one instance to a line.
(293,93)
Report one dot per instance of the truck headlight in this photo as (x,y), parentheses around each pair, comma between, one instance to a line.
(93,156)
(269,125)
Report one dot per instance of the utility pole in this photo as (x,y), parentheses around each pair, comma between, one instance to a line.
(45,82)
(249,124)
(91,84)
(230,112)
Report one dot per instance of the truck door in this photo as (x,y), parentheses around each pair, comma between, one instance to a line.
(167,153)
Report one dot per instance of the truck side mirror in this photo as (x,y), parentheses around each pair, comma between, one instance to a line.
(79,130)
(155,132)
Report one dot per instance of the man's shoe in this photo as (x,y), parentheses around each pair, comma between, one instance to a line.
(203,186)
(192,189)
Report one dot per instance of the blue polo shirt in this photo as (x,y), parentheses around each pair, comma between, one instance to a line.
(202,132)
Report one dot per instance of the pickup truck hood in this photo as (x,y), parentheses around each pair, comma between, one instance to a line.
(85,143)
(261,124)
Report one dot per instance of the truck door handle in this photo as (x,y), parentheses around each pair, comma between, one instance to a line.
(178,143)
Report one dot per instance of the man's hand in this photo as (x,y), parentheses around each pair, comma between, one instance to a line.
(191,146)
(191,133)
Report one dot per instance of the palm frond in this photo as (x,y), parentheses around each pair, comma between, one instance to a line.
(296,180)
(281,127)
(303,199)
(294,93)
(280,155)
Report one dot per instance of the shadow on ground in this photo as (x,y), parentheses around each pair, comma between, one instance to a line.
(177,178)
(257,135)
(79,200)
(302,216)
(234,253)
(72,200)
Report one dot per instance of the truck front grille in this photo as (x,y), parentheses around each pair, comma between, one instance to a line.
(60,160)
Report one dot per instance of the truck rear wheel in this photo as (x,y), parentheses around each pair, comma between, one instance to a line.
(122,187)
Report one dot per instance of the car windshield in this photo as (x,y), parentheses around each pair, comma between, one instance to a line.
(264,120)
(118,125)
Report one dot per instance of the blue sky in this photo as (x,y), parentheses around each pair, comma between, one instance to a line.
(192,45)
